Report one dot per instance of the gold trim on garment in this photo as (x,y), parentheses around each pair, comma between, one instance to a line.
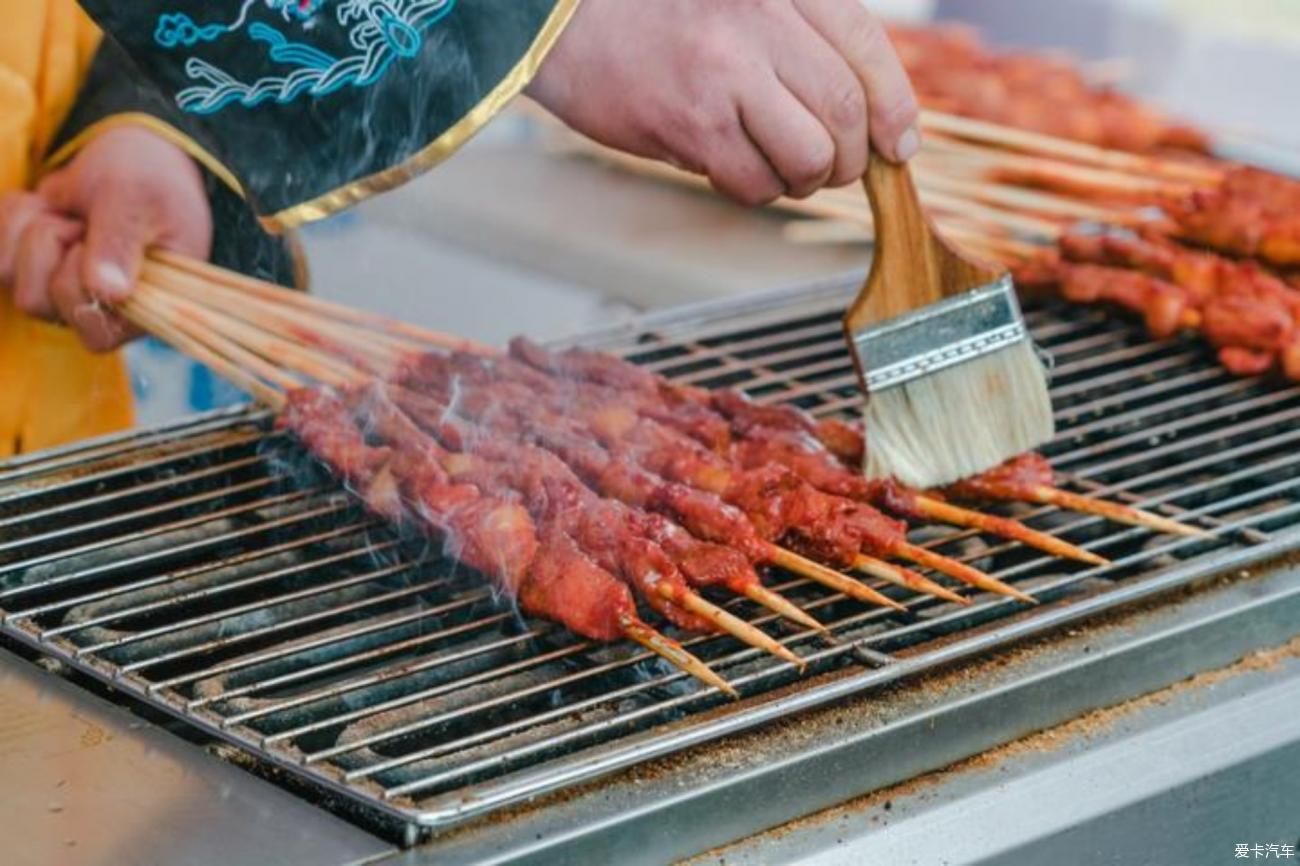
(159,127)
(441,147)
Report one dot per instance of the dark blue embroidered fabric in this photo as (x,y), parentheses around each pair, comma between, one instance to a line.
(303,97)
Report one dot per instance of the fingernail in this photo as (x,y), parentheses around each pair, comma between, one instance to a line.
(908,144)
(113,282)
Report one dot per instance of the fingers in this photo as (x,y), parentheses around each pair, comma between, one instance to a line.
(737,169)
(41,248)
(796,146)
(120,224)
(824,83)
(124,219)
(17,210)
(861,40)
(99,328)
(119,227)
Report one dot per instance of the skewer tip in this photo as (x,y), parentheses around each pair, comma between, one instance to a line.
(830,578)
(732,625)
(1114,511)
(676,655)
(781,605)
(907,578)
(1006,528)
(961,571)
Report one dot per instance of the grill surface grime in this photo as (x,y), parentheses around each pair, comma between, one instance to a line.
(211,569)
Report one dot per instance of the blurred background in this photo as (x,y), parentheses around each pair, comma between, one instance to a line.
(511,237)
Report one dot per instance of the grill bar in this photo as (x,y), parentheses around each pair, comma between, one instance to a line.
(117,541)
(251,607)
(211,569)
(279,627)
(229,425)
(210,592)
(136,586)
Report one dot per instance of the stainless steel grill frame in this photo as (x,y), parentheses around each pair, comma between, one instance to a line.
(209,570)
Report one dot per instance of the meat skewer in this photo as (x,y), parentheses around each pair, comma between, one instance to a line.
(275,348)
(1250,213)
(604,530)
(830,528)
(768,435)
(540,567)
(705,516)
(1250,315)
(305,359)
(702,513)
(545,573)
(953,70)
(840,439)
(1028,478)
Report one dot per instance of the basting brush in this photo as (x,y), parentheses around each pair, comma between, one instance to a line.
(954,383)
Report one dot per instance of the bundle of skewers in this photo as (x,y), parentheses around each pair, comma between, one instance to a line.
(1190,245)
(954,71)
(589,491)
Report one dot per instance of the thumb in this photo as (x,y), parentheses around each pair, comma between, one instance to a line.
(120,226)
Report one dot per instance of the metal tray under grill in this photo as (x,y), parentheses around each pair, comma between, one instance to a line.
(211,569)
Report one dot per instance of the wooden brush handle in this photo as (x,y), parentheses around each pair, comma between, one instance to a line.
(912,265)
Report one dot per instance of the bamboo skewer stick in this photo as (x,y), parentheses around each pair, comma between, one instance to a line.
(278,294)
(1114,511)
(729,623)
(1061,175)
(961,571)
(1003,249)
(936,179)
(1087,154)
(907,578)
(141,315)
(1013,529)
(981,213)
(1032,201)
(382,356)
(782,606)
(268,346)
(162,305)
(829,577)
(675,654)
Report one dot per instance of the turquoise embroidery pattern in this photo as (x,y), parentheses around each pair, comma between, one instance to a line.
(379,32)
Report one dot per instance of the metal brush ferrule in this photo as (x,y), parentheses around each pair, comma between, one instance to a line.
(953,331)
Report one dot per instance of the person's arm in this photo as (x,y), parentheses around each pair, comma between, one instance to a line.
(115,95)
(316,104)
(122,178)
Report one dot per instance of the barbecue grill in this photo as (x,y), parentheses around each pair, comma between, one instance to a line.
(210,570)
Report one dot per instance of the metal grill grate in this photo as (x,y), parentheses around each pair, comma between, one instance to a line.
(210,569)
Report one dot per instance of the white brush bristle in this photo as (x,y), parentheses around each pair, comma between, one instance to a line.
(960,421)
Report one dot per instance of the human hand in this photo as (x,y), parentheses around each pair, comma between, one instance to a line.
(74,247)
(766,97)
